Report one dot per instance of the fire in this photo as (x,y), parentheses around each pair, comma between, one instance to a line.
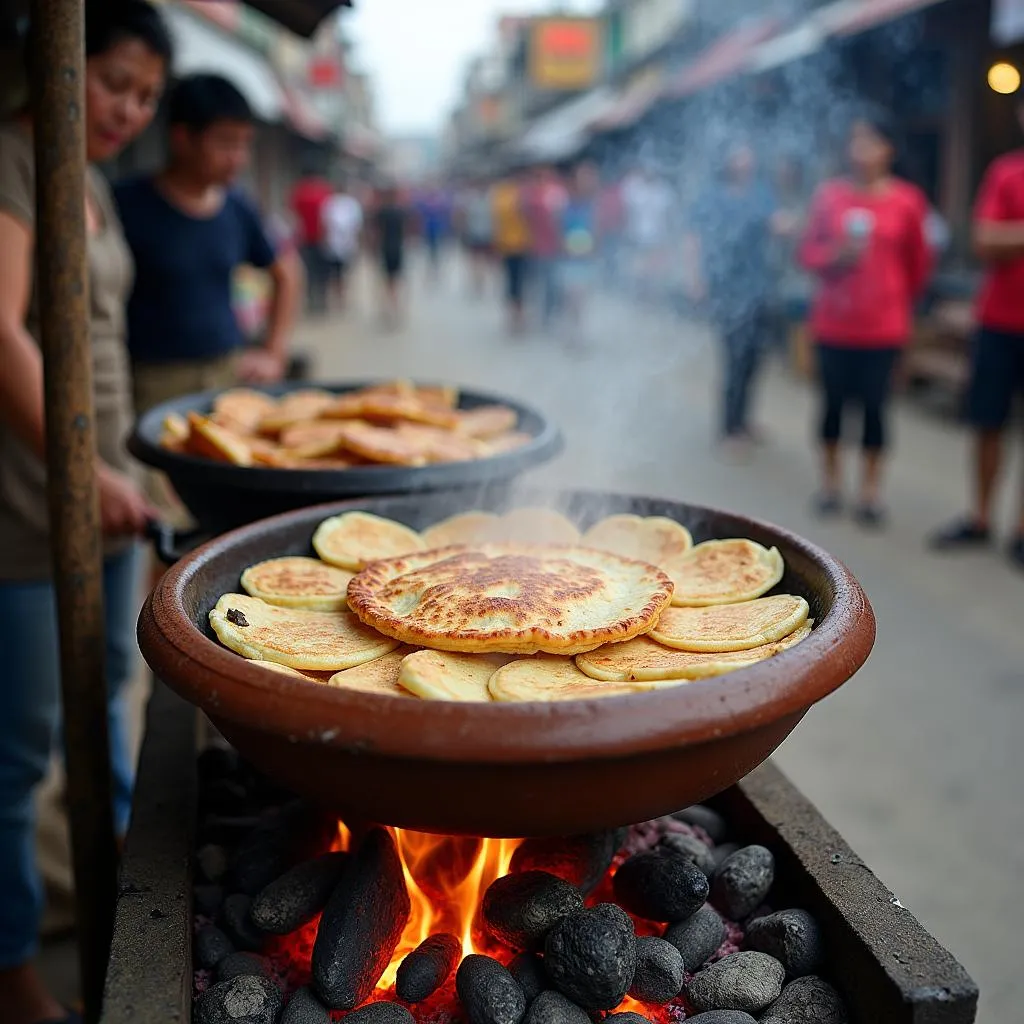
(447,877)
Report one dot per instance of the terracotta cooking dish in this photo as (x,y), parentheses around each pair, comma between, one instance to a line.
(502,769)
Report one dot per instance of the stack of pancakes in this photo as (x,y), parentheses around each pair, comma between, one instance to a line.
(398,424)
(520,607)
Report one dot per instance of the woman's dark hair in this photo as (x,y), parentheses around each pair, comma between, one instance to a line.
(201,100)
(108,22)
(882,123)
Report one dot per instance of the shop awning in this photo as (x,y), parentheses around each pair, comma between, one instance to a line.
(300,16)
(631,104)
(200,47)
(563,131)
(726,56)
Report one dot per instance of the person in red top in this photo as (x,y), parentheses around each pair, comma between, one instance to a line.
(307,203)
(866,245)
(998,355)
(544,199)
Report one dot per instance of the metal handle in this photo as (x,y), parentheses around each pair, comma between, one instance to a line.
(172,545)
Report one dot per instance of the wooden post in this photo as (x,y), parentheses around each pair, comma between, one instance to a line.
(62,286)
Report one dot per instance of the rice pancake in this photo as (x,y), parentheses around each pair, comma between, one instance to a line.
(444,675)
(389,408)
(464,528)
(244,407)
(296,407)
(380,444)
(312,440)
(508,599)
(213,441)
(534,526)
(487,421)
(508,442)
(297,582)
(654,539)
(731,627)
(282,669)
(547,677)
(377,676)
(320,641)
(723,572)
(437,445)
(354,539)
(646,659)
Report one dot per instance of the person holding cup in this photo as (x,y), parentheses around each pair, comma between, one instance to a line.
(866,244)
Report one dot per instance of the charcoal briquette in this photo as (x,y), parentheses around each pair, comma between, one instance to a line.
(722,853)
(520,909)
(247,999)
(704,817)
(698,938)
(237,964)
(743,981)
(427,967)
(211,946)
(742,882)
(722,1017)
(528,970)
(659,971)
(383,1012)
(227,829)
(298,895)
(807,1001)
(305,1008)
(553,1008)
(626,1017)
(238,925)
(488,992)
(692,849)
(216,763)
(361,924)
(792,937)
(580,860)
(207,899)
(211,862)
(226,795)
(660,885)
(590,956)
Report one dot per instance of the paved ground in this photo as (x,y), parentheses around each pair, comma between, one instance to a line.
(918,760)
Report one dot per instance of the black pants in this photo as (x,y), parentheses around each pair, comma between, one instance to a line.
(743,345)
(855,376)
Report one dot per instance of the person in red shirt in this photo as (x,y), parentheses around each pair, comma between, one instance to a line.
(998,355)
(866,245)
(307,203)
(544,200)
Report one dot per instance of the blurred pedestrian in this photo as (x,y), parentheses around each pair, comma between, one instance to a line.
(512,243)
(477,229)
(649,208)
(128,56)
(544,199)
(579,237)
(434,213)
(308,196)
(390,232)
(611,222)
(997,374)
(866,245)
(728,256)
(190,230)
(342,218)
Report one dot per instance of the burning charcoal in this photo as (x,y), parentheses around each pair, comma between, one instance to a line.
(298,895)
(723,853)
(247,999)
(591,956)
(489,994)
(427,967)
(238,925)
(553,1008)
(791,936)
(212,945)
(383,1012)
(697,939)
(742,882)
(361,924)
(659,971)
(528,970)
(580,860)
(660,885)
(722,1017)
(305,1008)
(626,1017)
(207,899)
(807,1001)
(521,909)
(703,817)
(743,981)
(237,964)
(211,862)
(692,849)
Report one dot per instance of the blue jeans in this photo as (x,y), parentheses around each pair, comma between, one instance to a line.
(30,724)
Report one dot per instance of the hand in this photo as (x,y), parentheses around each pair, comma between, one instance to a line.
(124,510)
(261,366)
(849,252)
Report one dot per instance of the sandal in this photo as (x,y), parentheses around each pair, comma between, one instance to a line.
(959,535)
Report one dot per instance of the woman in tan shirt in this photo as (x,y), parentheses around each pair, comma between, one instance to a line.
(128,53)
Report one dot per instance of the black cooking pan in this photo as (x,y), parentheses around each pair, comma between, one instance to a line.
(221,496)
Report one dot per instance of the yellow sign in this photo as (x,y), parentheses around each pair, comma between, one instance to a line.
(565,53)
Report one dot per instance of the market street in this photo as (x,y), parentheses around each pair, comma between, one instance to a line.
(918,760)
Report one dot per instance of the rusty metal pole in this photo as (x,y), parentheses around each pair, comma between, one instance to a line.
(58,97)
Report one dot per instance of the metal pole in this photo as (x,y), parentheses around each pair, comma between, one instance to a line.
(63,290)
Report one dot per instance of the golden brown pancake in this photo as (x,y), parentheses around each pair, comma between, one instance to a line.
(507,442)
(244,406)
(654,539)
(296,407)
(444,675)
(437,445)
(534,526)
(175,429)
(724,572)
(212,441)
(354,539)
(377,676)
(320,641)
(464,528)
(380,444)
(561,600)
(548,677)
(389,408)
(297,582)
(312,440)
(731,627)
(645,659)
(486,421)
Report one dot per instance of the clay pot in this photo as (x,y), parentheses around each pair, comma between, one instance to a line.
(502,769)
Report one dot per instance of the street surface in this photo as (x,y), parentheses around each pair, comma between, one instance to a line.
(918,761)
